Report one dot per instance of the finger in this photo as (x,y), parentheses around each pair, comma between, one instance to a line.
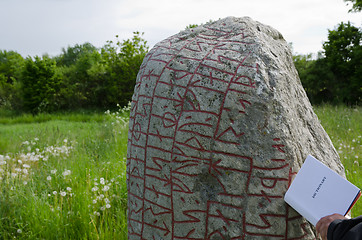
(324,229)
(320,224)
(324,237)
(321,228)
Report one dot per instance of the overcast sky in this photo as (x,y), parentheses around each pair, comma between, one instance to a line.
(35,27)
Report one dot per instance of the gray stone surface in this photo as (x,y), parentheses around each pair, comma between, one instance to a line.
(219,126)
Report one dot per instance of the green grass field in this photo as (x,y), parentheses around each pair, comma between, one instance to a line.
(344,127)
(62,176)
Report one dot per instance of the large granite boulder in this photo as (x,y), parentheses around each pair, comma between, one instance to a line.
(219,126)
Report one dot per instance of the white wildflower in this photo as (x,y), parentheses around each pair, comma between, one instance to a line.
(103,208)
(63,193)
(108,205)
(94,201)
(105,188)
(49,178)
(69,189)
(102,181)
(66,173)
(26,166)
(94,189)
(55,193)
(53,171)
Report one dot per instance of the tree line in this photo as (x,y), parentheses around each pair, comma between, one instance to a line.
(81,77)
(335,76)
(86,77)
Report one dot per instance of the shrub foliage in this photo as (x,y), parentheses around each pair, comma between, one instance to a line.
(335,76)
(82,77)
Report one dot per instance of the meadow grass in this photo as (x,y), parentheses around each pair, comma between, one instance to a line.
(62,176)
(344,127)
(7,118)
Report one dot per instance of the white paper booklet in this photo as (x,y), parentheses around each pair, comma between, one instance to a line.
(318,191)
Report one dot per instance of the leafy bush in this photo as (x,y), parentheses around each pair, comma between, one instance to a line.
(11,64)
(41,84)
(335,76)
(82,77)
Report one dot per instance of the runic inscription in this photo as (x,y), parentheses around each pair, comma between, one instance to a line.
(204,160)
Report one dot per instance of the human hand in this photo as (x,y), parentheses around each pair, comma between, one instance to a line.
(323,224)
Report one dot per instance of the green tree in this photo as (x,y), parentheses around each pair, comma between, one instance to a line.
(75,63)
(81,77)
(11,64)
(41,84)
(122,61)
(315,76)
(356,5)
(335,76)
(343,55)
(70,55)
